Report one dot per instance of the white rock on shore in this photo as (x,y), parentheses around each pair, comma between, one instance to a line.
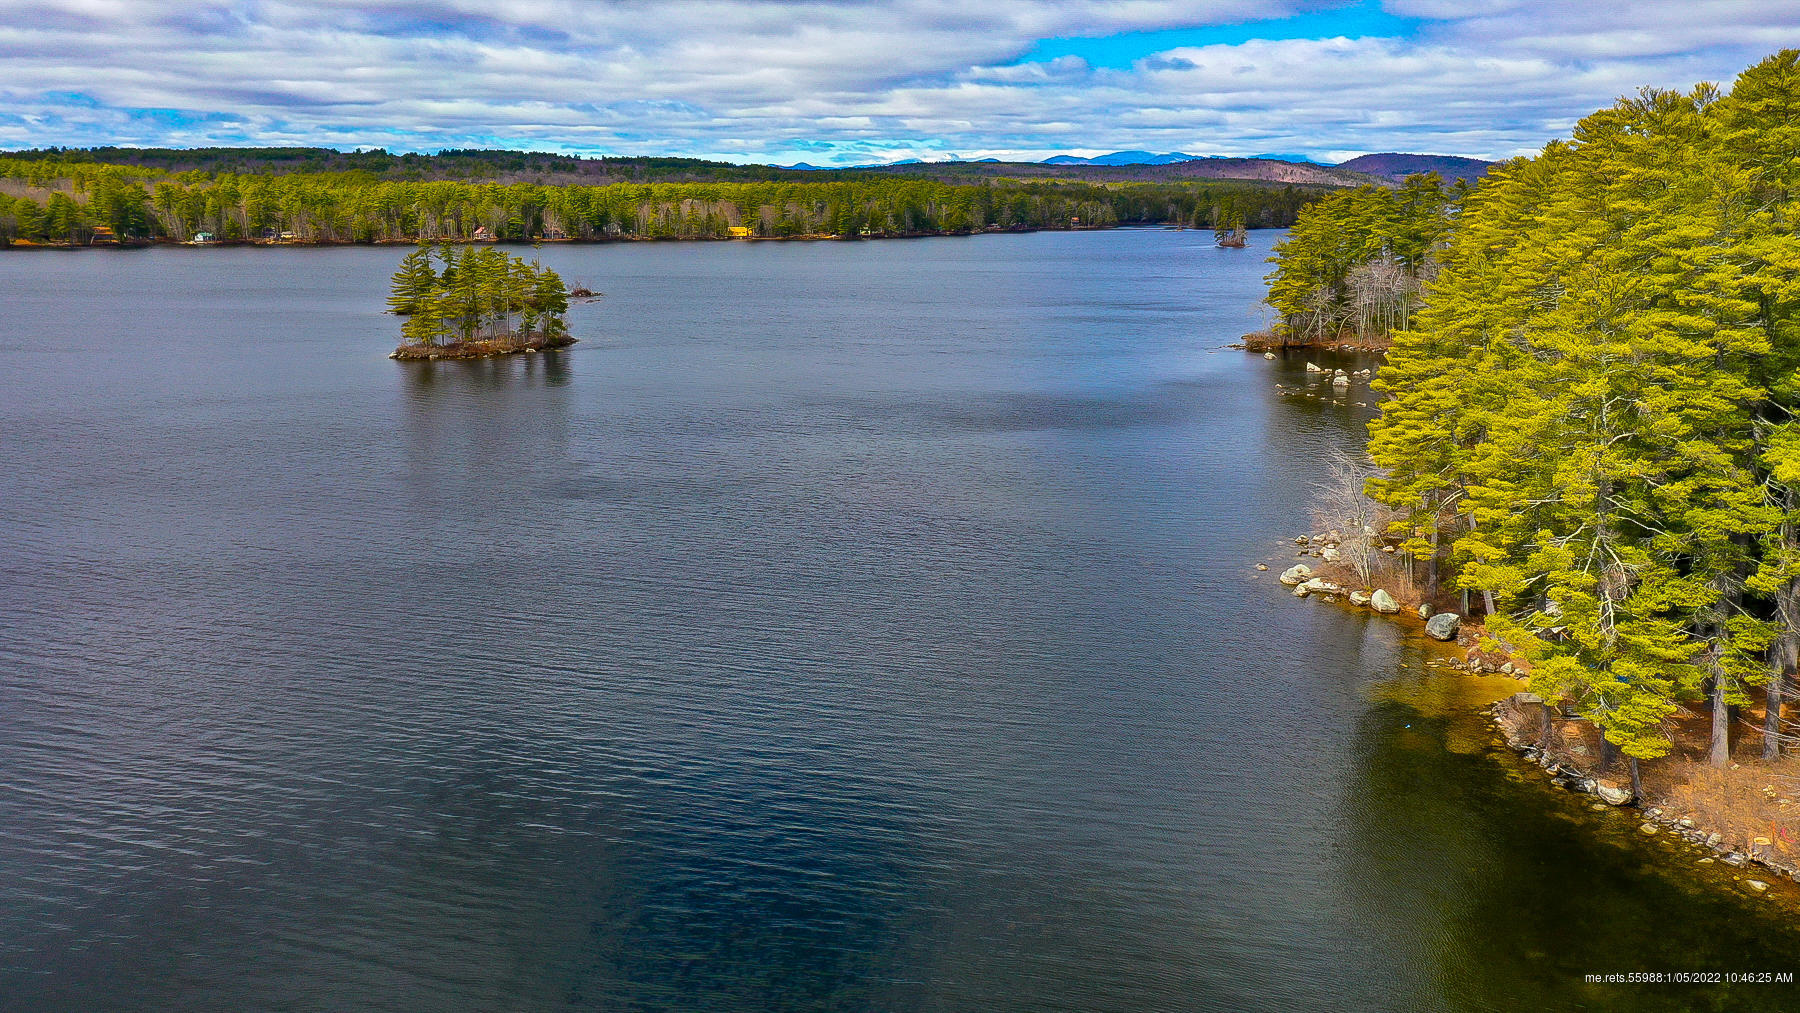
(1383,602)
(1299,573)
(1612,794)
(1319,585)
(1443,626)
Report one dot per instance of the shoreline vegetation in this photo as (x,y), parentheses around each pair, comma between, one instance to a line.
(1355,267)
(1586,462)
(68,198)
(482,303)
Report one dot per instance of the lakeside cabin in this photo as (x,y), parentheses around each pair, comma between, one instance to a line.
(738,231)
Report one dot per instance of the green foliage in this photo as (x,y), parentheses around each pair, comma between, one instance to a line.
(1355,260)
(482,293)
(1592,415)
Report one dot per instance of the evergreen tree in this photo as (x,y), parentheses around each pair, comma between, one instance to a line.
(414,282)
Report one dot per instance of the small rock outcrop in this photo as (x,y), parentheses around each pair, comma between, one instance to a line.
(1443,626)
(1359,597)
(1313,367)
(1383,602)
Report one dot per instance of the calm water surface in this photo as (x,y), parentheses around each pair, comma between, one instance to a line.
(838,626)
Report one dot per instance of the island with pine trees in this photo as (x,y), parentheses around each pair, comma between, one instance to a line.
(1586,462)
(482,302)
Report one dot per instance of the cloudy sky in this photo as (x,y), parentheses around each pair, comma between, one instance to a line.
(860,80)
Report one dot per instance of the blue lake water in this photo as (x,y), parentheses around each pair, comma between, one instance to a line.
(863,626)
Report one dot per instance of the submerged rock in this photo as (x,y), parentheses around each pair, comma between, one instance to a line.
(1268,355)
(1443,626)
(1756,884)
(1381,601)
(1313,367)
(1262,566)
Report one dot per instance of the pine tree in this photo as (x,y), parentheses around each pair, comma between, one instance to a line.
(414,282)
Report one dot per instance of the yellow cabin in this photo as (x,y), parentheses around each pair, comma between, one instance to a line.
(739,231)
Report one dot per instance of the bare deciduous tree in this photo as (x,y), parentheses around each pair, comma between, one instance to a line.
(1343,506)
(1382,294)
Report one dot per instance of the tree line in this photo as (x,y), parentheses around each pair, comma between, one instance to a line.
(46,200)
(480,294)
(1590,420)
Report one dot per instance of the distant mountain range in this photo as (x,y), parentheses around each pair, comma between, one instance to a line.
(1395,166)
(1388,166)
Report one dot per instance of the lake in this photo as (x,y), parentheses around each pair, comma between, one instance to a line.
(865,626)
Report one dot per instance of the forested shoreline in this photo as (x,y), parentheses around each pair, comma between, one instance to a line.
(1591,420)
(1355,265)
(56,198)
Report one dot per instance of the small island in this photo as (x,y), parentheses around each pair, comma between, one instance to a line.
(483,302)
(1230,232)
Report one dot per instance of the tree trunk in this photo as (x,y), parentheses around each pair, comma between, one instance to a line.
(1487,602)
(1786,659)
(1609,754)
(1637,782)
(1772,717)
(1719,749)
(1431,574)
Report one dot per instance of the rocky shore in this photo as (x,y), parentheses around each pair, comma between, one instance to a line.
(1274,341)
(1307,583)
(482,349)
(1531,728)
(1714,820)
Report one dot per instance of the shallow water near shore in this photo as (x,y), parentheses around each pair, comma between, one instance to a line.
(838,626)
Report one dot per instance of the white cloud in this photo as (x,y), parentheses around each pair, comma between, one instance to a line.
(855,81)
